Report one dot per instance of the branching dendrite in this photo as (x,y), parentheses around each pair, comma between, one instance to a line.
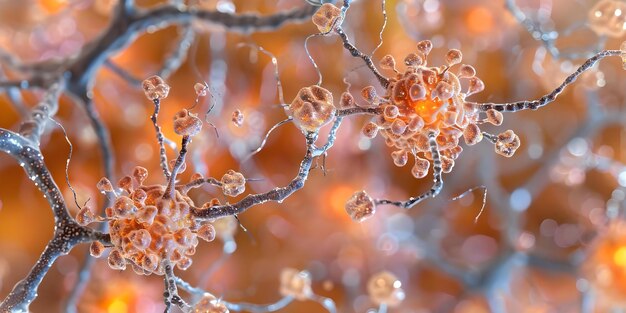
(156,89)
(67,232)
(550,97)
(294,286)
(424,111)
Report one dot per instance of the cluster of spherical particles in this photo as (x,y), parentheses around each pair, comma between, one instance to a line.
(605,266)
(360,206)
(312,108)
(425,100)
(608,18)
(209,304)
(385,288)
(148,226)
(296,284)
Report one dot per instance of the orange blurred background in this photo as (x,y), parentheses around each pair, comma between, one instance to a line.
(551,225)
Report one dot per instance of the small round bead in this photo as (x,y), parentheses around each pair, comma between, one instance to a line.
(104,185)
(126,183)
(466,71)
(347,100)
(233,183)
(140,174)
(327,17)
(420,168)
(472,134)
(96,249)
(200,89)
(388,62)
(391,111)
(424,46)
(369,94)
(186,123)
(206,232)
(398,127)
(453,57)
(475,86)
(370,130)
(494,117)
(413,59)
(116,260)
(155,88)
(237,118)
(312,108)
(85,216)
(400,158)
(360,206)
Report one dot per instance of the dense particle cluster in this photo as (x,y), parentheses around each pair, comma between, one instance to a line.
(429,100)
(360,206)
(148,225)
(608,18)
(312,108)
(296,284)
(385,288)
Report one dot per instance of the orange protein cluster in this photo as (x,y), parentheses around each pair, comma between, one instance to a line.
(148,225)
(425,100)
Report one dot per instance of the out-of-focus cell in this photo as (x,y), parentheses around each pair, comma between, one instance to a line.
(385,288)
(237,118)
(200,89)
(209,304)
(605,263)
(608,18)
(294,283)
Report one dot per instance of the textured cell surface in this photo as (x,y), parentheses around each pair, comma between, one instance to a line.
(427,99)
(312,108)
(147,226)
